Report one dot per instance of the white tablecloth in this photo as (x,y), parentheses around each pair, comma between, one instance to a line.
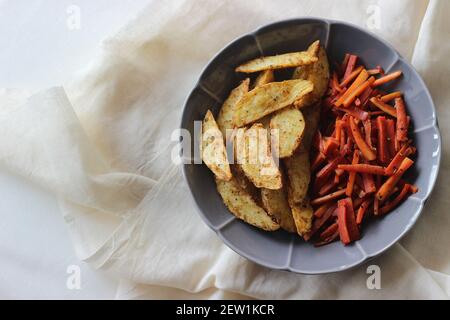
(100,146)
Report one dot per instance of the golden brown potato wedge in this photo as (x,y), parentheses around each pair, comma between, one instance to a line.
(242,205)
(245,183)
(225,118)
(312,118)
(269,98)
(303,215)
(289,126)
(298,172)
(276,204)
(287,60)
(319,74)
(254,157)
(213,148)
(263,78)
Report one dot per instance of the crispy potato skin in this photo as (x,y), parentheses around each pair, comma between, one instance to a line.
(287,60)
(290,125)
(298,171)
(263,173)
(269,98)
(319,74)
(303,215)
(213,148)
(263,78)
(276,204)
(243,206)
(225,118)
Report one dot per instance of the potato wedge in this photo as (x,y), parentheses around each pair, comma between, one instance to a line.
(245,184)
(269,98)
(242,205)
(225,118)
(276,205)
(263,78)
(254,156)
(312,118)
(319,74)
(290,125)
(287,60)
(213,148)
(303,215)
(298,171)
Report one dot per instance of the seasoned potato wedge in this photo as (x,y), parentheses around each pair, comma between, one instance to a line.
(287,60)
(245,183)
(298,171)
(225,118)
(263,78)
(269,98)
(242,205)
(303,215)
(290,125)
(319,74)
(312,117)
(254,156)
(276,204)
(213,148)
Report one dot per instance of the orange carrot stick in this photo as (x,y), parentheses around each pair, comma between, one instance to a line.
(347,222)
(362,210)
(366,151)
(321,210)
(328,197)
(398,159)
(387,78)
(352,175)
(397,200)
(390,130)
(369,183)
(349,100)
(391,96)
(363,168)
(368,132)
(402,120)
(350,65)
(358,81)
(387,188)
(351,77)
(383,152)
(384,107)
(328,232)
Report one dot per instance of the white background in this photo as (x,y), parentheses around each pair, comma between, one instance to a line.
(39,50)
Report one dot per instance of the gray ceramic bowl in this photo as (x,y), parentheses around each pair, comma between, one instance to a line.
(280,250)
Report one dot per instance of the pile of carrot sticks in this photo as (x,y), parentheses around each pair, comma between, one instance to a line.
(360,153)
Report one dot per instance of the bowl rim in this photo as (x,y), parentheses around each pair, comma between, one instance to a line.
(365,257)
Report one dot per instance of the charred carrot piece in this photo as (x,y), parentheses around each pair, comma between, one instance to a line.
(397,200)
(352,175)
(362,210)
(328,240)
(366,151)
(328,197)
(402,120)
(390,131)
(317,161)
(363,168)
(330,147)
(391,96)
(383,152)
(328,186)
(387,78)
(319,222)
(384,107)
(321,210)
(398,159)
(328,232)
(387,188)
(358,91)
(363,75)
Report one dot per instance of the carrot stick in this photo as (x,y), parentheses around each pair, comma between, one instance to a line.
(317,161)
(319,222)
(402,121)
(321,210)
(328,197)
(344,234)
(351,97)
(363,168)
(330,147)
(362,210)
(397,200)
(328,186)
(383,152)
(369,183)
(355,112)
(368,133)
(328,232)
(336,88)
(351,77)
(352,175)
(350,65)
(387,188)
(366,151)
(343,66)
(397,160)
(328,240)
(390,130)
(391,96)
(387,78)
(328,169)
(358,81)
(384,107)
(348,219)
